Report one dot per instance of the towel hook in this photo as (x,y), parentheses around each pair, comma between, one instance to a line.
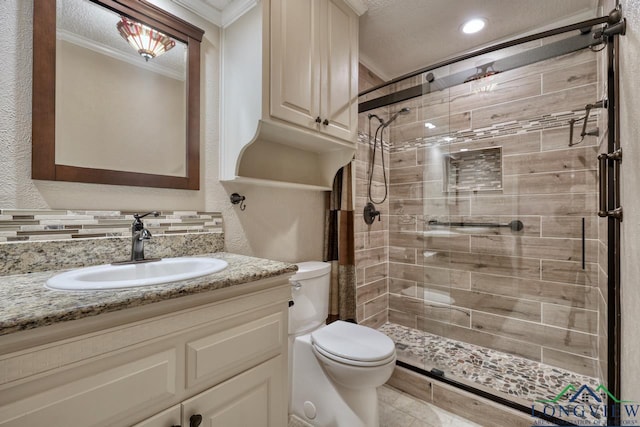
(236,198)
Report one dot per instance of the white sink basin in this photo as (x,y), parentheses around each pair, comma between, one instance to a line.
(132,275)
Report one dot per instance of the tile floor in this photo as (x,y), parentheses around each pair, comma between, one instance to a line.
(514,376)
(398,409)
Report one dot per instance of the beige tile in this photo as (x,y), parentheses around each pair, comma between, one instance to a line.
(537,290)
(572,318)
(558,139)
(444,125)
(569,272)
(374,321)
(401,159)
(409,272)
(571,362)
(477,409)
(412,383)
(503,90)
(559,339)
(402,222)
(426,310)
(535,204)
(446,277)
(406,175)
(413,190)
(548,183)
(511,144)
(375,272)
(371,291)
(484,263)
(534,247)
(567,160)
(420,240)
(369,257)
(524,349)
(392,417)
(370,240)
(376,306)
(403,318)
(491,303)
(404,287)
(451,205)
(564,78)
(569,226)
(523,109)
(402,255)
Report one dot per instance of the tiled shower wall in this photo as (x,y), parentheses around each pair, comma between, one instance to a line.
(372,260)
(522,292)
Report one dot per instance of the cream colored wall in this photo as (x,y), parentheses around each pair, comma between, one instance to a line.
(132,128)
(279,224)
(630,227)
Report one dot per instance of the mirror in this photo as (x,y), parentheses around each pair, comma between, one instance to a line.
(102,112)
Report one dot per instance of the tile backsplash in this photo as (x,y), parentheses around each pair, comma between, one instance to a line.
(34,224)
(41,240)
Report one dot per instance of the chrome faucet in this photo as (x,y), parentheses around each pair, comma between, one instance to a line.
(138,236)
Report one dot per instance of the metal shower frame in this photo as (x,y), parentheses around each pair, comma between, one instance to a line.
(612,25)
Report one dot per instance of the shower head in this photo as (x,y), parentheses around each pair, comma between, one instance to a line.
(402,111)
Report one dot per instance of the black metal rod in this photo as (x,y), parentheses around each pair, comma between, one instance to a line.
(515,225)
(583,245)
(573,27)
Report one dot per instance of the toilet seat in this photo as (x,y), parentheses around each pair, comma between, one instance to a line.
(353,344)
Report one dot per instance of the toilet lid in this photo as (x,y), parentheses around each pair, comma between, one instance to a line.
(353,342)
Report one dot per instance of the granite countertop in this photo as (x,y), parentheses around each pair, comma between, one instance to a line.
(26,304)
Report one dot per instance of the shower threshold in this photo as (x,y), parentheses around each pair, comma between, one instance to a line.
(517,379)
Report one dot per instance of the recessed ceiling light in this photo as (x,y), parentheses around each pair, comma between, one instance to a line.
(429,125)
(473,26)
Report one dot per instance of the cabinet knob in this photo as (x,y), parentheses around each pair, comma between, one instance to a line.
(318,120)
(326,122)
(195,420)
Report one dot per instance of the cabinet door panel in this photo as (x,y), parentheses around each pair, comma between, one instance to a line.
(295,66)
(254,398)
(340,70)
(96,399)
(167,418)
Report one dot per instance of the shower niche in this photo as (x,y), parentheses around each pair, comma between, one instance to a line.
(473,170)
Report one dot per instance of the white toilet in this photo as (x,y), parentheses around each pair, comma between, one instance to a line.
(334,369)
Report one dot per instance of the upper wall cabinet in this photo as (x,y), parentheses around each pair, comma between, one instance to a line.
(290,83)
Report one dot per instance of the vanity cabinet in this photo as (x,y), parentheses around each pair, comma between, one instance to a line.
(225,361)
(289,93)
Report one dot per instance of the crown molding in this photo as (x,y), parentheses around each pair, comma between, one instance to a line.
(201,8)
(116,54)
(358,6)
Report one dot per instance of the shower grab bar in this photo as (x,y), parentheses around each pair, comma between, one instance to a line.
(515,225)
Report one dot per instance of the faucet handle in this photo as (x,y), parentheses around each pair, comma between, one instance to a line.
(154,213)
(145,234)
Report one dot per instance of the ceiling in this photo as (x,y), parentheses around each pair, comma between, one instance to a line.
(401,36)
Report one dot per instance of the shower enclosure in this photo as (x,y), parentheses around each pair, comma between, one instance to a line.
(496,258)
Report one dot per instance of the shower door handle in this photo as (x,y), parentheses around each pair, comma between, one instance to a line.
(603,168)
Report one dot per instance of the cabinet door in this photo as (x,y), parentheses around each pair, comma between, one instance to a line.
(339,53)
(167,418)
(295,65)
(255,398)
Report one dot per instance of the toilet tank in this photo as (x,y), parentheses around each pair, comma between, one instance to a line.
(310,294)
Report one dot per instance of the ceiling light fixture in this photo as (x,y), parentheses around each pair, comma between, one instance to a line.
(473,26)
(148,42)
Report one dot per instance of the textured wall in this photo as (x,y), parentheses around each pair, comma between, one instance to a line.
(280,224)
(522,292)
(630,228)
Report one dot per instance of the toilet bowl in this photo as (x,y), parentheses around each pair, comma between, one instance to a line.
(334,370)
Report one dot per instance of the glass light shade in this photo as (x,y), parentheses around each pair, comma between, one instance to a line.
(148,42)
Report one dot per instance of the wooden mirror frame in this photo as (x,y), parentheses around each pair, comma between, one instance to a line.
(43,162)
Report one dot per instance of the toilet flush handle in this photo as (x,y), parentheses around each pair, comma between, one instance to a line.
(296,285)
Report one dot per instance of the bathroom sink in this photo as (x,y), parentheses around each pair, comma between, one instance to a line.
(116,276)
